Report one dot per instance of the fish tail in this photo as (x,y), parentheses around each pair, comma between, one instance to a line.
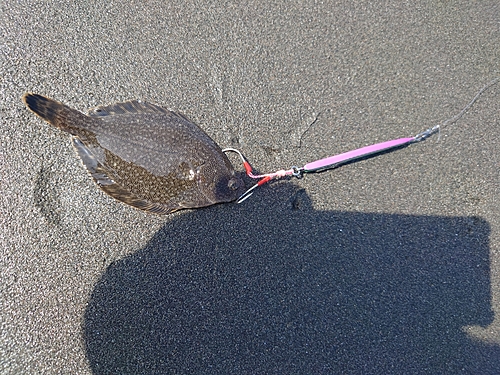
(55,113)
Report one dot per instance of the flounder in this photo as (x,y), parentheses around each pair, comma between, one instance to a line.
(145,155)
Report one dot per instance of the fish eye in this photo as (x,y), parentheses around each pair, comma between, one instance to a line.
(233,184)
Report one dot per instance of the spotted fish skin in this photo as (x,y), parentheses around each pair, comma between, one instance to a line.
(145,155)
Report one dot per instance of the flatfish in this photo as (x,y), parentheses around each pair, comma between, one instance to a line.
(145,155)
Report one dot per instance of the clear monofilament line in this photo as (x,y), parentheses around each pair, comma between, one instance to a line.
(466,108)
(437,128)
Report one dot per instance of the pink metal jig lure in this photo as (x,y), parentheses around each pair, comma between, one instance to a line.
(337,160)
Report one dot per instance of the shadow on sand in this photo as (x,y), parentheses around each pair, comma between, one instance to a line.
(272,286)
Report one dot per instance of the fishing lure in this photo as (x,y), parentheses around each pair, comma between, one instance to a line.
(350,156)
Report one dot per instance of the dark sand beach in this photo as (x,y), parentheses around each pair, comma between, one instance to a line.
(390,265)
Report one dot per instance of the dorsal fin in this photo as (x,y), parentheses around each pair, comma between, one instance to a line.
(133,106)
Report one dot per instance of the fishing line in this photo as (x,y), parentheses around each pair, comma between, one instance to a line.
(350,156)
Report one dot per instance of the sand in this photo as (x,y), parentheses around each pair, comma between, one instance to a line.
(389,265)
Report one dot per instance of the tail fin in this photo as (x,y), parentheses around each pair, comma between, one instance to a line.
(57,114)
